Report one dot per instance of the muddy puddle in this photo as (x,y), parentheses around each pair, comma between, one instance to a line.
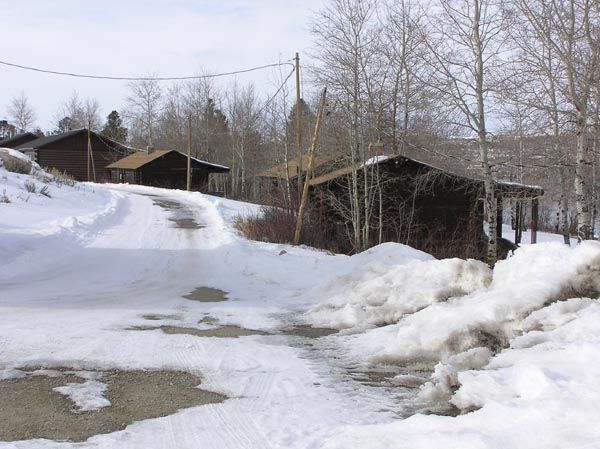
(186,223)
(206,294)
(308,331)
(159,317)
(182,216)
(219,332)
(30,408)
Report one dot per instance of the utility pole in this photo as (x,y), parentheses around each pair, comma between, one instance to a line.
(189,155)
(298,128)
(90,152)
(311,154)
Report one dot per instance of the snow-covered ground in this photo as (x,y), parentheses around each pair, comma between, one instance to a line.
(516,350)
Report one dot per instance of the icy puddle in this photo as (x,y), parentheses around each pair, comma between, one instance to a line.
(206,294)
(219,332)
(31,406)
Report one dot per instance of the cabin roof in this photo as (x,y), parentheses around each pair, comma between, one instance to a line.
(44,141)
(506,188)
(279,171)
(141,158)
(18,139)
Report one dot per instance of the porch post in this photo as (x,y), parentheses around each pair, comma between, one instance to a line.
(518,222)
(499,201)
(534,219)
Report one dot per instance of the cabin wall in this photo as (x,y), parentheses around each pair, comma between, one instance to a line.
(437,214)
(168,171)
(71,155)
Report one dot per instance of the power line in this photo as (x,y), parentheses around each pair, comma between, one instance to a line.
(146,78)
(277,92)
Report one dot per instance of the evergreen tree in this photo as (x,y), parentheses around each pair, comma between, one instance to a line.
(214,133)
(114,129)
(307,123)
(64,125)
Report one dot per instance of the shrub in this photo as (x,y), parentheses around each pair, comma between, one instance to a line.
(30,186)
(45,191)
(16,165)
(4,197)
(60,178)
(271,224)
(277,225)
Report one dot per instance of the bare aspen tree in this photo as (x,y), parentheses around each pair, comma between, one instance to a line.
(21,113)
(403,48)
(534,86)
(279,132)
(464,41)
(348,36)
(144,103)
(173,120)
(572,29)
(80,113)
(244,119)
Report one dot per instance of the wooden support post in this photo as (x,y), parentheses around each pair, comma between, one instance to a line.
(311,153)
(298,128)
(89,151)
(534,219)
(188,182)
(518,225)
(499,201)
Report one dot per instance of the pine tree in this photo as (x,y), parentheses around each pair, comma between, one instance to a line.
(214,133)
(308,118)
(114,129)
(64,125)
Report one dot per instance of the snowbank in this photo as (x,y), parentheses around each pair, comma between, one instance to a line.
(520,354)
(378,294)
(439,308)
(541,392)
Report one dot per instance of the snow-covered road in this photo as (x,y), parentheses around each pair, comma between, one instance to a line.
(93,278)
(73,289)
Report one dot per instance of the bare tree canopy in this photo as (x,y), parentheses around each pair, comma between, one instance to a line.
(21,113)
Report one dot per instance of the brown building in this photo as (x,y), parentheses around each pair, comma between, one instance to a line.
(163,168)
(413,203)
(69,152)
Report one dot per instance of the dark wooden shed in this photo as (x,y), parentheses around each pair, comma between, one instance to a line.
(69,152)
(163,168)
(412,203)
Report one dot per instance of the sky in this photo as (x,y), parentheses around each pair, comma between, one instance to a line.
(140,38)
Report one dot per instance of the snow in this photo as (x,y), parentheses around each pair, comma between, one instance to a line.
(515,349)
(18,155)
(87,395)
(376,160)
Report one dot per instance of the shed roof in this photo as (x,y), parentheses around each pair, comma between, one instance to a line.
(141,158)
(280,171)
(506,188)
(44,141)
(17,140)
